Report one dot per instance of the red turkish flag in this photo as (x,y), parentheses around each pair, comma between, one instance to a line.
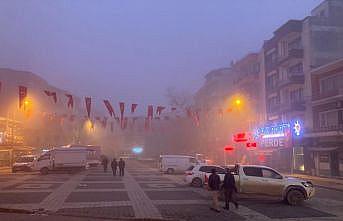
(70,103)
(22,95)
(150,111)
(51,94)
(88,101)
(133,107)
(109,108)
(122,109)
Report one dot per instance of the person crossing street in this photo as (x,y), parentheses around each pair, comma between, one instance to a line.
(230,190)
(121,167)
(114,165)
(214,187)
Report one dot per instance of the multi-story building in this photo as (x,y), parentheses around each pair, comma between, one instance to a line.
(296,48)
(325,140)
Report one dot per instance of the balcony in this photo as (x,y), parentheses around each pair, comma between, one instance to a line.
(292,53)
(294,106)
(327,95)
(338,127)
(293,78)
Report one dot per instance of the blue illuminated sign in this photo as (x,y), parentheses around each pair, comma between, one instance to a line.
(137,150)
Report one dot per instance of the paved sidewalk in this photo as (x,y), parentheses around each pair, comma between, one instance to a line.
(329,183)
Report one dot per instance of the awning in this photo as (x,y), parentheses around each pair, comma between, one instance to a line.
(322,149)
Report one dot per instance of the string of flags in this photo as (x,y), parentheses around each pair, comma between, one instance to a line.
(122,120)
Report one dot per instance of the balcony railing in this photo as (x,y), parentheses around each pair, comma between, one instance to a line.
(327,94)
(293,106)
(292,53)
(338,127)
(293,78)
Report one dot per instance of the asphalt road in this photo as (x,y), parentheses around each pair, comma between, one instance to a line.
(142,193)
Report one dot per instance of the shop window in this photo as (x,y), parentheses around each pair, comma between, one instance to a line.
(324,158)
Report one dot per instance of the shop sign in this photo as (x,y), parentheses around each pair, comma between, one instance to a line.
(279,135)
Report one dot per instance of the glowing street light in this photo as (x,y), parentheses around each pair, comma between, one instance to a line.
(238,102)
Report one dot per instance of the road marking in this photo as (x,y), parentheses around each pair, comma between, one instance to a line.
(141,204)
(56,199)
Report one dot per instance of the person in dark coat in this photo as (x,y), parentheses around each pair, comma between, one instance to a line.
(105,163)
(114,165)
(214,187)
(121,167)
(229,188)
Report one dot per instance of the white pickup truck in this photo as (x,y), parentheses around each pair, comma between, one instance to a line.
(262,180)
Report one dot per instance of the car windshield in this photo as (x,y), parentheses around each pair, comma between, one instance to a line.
(129,105)
(24,159)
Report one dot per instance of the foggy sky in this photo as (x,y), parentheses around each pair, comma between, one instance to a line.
(133,50)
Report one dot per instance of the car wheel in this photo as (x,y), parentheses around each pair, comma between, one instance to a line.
(170,171)
(197,182)
(295,197)
(44,171)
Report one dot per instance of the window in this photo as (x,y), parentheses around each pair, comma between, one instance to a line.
(190,168)
(324,158)
(44,157)
(295,69)
(295,44)
(192,160)
(297,95)
(252,171)
(331,83)
(208,169)
(329,119)
(267,173)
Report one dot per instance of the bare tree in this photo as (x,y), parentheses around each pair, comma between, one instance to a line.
(179,99)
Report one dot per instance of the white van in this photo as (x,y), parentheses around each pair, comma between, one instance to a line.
(176,163)
(62,158)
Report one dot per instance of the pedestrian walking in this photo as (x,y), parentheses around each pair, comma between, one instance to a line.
(114,165)
(121,167)
(105,163)
(230,190)
(214,187)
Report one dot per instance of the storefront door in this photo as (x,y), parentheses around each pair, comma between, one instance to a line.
(334,163)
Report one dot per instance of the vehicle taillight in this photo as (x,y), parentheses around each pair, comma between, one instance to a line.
(189,173)
(206,179)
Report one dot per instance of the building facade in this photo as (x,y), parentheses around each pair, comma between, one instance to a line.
(325,140)
(298,47)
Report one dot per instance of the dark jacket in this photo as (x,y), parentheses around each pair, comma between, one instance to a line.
(121,164)
(214,182)
(229,182)
(114,164)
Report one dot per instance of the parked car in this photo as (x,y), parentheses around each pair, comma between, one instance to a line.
(176,163)
(62,158)
(262,180)
(23,163)
(258,180)
(197,175)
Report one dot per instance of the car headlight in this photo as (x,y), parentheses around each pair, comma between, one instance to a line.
(307,184)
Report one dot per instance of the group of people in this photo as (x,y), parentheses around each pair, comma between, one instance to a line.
(114,165)
(228,187)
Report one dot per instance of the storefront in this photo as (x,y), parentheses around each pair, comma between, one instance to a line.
(326,154)
(280,146)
